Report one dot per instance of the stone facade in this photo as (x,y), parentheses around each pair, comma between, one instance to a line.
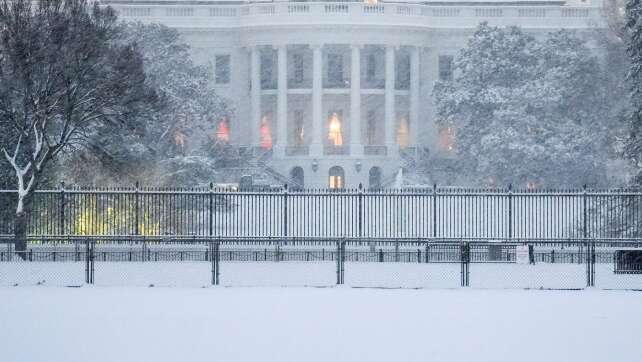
(339,93)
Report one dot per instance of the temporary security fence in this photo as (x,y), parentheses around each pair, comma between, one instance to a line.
(322,262)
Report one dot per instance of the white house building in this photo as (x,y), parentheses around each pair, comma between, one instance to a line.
(333,94)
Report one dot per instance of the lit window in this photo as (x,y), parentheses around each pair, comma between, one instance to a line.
(402,133)
(446,140)
(336,178)
(265,132)
(445,67)
(222,69)
(180,139)
(335,135)
(223,131)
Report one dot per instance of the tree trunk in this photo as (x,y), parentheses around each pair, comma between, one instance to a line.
(20,233)
(21,220)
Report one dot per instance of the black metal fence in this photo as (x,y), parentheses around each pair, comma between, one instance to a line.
(484,214)
(434,237)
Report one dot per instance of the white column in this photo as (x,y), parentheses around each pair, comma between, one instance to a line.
(255,96)
(390,121)
(356,148)
(316,149)
(414,95)
(282,100)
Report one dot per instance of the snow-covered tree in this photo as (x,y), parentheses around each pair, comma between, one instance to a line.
(527,110)
(62,76)
(634,50)
(170,137)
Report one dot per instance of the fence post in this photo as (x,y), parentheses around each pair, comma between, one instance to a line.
(215,257)
(92,263)
(427,252)
(360,219)
(211,253)
(340,261)
(285,210)
(87,261)
(137,207)
(510,211)
(590,263)
(585,214)
(593,263)
(465,264)
(211,207)
(434,211)
(61,217)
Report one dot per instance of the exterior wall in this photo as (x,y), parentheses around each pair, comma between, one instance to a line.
(430,30)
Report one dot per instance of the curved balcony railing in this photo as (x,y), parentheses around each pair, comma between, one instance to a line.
(413,15)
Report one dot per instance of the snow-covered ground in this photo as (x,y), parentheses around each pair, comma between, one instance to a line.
(317,324)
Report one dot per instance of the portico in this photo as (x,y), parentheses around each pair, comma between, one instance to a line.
(336,95)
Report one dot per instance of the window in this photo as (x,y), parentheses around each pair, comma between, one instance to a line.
(299,135)
(371,67)
(335,69)
(335,133)
(297,177)
(445,67)
(267,73)
(265,131)
(374,178)
(403,72)
(223,131)
(222,69)
(371,130)
(446,140)
(403,136)
(337,178)
(298,68)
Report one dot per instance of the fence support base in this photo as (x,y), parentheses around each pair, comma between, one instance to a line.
(465,264)
(341,250)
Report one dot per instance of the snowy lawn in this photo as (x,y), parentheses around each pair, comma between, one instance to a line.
(317,324)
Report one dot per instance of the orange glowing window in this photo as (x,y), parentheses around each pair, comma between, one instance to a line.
(403,133)
(335,135)
(223,131)
(265,133)
(180,139)
(336,178)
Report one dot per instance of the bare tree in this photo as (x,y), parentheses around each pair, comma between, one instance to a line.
(63,72)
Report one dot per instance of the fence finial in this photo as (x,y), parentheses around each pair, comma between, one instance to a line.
(510,187)
(360,186)
(62,185)
(211,186)
(137,185)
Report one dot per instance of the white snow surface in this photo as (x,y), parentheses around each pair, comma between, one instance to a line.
(317,324)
